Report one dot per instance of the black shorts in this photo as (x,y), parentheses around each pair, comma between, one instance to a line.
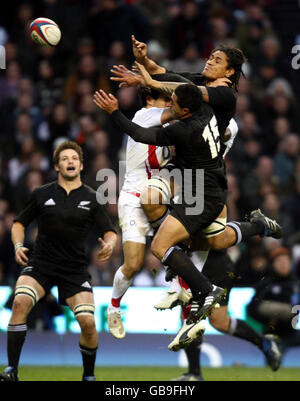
(195,223)
(219,269)
(69,282)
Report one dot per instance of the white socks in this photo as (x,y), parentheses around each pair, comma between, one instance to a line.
(120,286)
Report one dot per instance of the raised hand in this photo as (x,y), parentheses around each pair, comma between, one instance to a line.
(125,76)
(147,80)
(106,102)
(139,49)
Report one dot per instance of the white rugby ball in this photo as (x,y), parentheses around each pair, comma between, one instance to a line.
(45,32)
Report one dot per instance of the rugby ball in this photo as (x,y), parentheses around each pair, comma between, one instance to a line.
(45,32)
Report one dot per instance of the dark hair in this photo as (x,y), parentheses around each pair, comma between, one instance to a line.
(236,59)
(67,145)
(144,91)
(189,96)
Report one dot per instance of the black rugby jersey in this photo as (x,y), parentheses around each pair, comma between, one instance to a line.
(196,140)
(64,222)
(222,99)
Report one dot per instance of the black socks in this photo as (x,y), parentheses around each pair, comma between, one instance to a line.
(246,230)
(88,360)
(16,334)
(239,328)
(193,356)
(182,265)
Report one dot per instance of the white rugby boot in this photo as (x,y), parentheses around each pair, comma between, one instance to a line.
(187,334)
(115,324)
(173,298)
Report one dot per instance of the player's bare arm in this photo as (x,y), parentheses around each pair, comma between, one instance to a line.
(140,54)
(17,236)
(107,245)
(169,87)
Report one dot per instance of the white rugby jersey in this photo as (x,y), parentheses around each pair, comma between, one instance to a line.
(234,130)
(143,159)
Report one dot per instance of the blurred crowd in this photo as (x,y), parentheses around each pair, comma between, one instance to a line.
(46,95)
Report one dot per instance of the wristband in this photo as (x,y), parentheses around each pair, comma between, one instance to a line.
(18,245)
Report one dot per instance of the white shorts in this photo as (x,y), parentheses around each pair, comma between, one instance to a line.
(134,224)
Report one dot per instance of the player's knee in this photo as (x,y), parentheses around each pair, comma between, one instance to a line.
(216,242)
(87,325)
(21,306)
(220,323)
(131,267)
(25,298)
(156,249)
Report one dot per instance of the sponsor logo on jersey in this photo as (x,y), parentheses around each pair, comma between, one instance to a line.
(83,205)
(50,202)
(86,284)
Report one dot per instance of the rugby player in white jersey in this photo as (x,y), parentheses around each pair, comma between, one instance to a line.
(141,162)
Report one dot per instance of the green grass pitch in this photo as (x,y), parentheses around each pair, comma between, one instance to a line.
(141,373)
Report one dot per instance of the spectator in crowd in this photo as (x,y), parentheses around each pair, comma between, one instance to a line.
(274,299)
(285,159)
(112,20)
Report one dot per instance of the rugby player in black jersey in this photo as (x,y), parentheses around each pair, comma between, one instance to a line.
(192,151)
(65,211)
(219,91)
(218,83)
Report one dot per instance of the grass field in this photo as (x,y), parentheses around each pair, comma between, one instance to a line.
(54,373)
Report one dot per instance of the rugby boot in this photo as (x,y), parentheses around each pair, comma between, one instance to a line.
(188,377)
(272,352)
(187,334)
(88,378)
(9,375)
(172,299)
(115,324)
(212,300)
(272,228)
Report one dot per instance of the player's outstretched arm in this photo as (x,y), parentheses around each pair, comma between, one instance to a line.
(140,54)
(166,87)
(151,136)
(18,236)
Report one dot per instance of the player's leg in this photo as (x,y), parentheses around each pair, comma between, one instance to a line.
(236,232)
(205,295)
(134,253)
(177,293)
(192,352)
(27,293)
(156,197)
(221,321)
(83,306)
